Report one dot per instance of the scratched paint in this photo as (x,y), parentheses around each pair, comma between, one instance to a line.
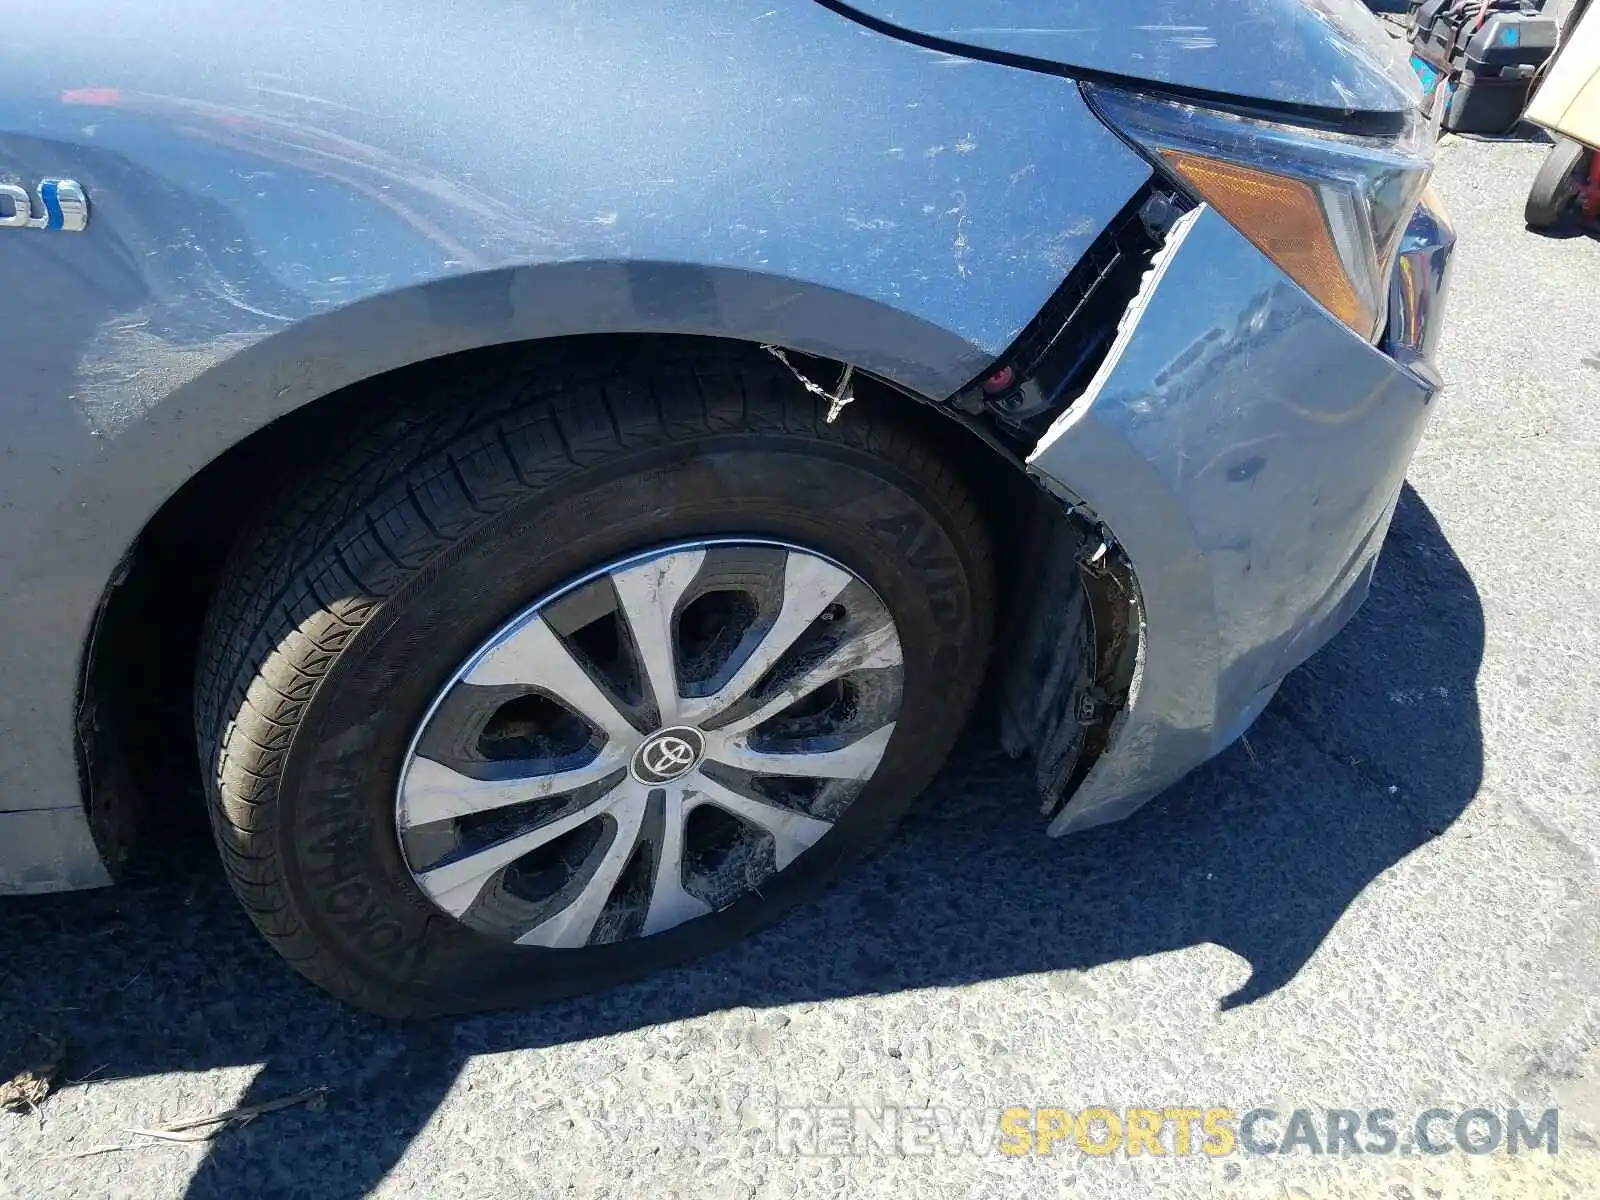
(1202,44)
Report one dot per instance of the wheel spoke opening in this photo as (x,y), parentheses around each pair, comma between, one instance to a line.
(573,912)
(535,728)
(671,901)
(808,795)
(803,587)
(783,833)
(543,874)
(849,757)
(850,652)
(456,881)
(725,859)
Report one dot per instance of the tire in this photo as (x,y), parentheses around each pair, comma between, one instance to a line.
(345,615)
(1556,186)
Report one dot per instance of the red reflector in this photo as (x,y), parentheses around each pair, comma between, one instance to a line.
(1000,380)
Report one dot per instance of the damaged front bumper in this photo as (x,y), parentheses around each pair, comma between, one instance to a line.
(1245,451)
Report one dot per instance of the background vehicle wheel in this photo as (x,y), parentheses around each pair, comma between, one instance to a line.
(546,690)
(1556,186)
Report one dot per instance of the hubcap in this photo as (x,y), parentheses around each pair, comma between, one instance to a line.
(650,743)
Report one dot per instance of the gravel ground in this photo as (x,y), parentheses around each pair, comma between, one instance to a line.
(1387,899)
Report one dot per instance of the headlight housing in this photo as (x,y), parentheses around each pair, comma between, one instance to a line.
(1328,208)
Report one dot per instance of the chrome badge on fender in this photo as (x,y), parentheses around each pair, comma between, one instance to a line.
(65,205)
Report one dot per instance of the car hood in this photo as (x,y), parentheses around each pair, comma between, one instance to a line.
(1319,54)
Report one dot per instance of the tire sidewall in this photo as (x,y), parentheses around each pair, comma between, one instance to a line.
(335,806)
(1558,183)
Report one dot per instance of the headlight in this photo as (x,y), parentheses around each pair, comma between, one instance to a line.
(1328,208)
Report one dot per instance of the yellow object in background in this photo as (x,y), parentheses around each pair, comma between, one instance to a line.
(1568,101)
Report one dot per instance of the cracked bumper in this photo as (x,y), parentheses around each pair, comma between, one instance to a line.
(48,850)
(1247,451)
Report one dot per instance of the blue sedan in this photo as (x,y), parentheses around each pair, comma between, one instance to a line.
(558,479)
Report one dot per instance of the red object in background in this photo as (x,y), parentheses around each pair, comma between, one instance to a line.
(1589,190)
(103,96)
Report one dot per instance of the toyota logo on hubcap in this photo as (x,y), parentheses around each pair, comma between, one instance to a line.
(668,755)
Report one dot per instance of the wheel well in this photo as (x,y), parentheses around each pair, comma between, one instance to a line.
(135,728)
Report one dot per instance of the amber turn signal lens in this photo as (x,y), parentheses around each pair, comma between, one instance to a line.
(1284,219)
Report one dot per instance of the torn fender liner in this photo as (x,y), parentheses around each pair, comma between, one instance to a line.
(1052,360)
(1073,644)
(1327,57)
(1246,452)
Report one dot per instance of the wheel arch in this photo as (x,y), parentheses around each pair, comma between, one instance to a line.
(317,356)
(329,380)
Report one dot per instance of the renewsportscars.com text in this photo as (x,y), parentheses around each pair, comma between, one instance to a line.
(1101,1131)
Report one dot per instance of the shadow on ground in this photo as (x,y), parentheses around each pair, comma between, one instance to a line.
(1572,226)
(1370,751)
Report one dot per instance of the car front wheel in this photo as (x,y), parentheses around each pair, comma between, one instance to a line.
(575,676)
